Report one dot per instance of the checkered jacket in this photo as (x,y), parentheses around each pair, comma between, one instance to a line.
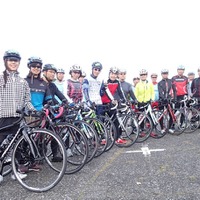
(14,95)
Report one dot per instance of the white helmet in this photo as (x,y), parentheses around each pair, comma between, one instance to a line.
(122,71)
(75,68)
(143,71)
(164,71)
(114,70)
(60,71)
(181,67)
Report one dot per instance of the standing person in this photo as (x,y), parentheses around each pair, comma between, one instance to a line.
(81,78)
(136,80)
(166,92)
(49,72)
(195,87)
(74,87)
(180,83)
(60,82)
(111,92)
(144,90)
(154,77)
(92,87)
(40,92)
(191,77)
(14,94)
(126,87)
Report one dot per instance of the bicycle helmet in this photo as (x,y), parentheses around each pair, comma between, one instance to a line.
(60,70)
(75,68)
(122,71)
(34,60)
(114,70)
(143,71)
(164,71)
(97,65)
(191,73)
(154,75)
(11,54)
(181,67)
(49,67)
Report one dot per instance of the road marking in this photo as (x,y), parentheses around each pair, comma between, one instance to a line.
(145,150)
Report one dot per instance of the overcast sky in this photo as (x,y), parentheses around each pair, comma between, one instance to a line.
(131,34)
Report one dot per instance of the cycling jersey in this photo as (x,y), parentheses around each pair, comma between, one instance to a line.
(155,85)
(144,91)
(91,89)
(180,83)
(61,85)
(128,90)
(40,92)
(166,89)
(74,90)
(114,92)
(195,87)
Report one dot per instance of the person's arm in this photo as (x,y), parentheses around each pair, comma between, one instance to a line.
(120,92)
(152,92)
(161,90)
(131,93)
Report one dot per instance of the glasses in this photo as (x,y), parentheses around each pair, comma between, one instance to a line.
(97,69)
(36,66)
(154,77)
(76,72)
(143,74)
(13,59)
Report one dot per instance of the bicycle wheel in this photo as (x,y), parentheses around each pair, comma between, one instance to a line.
(193,120)
(112,132)
(102,134)
(160,129)
(76,146)
(130,130)
(34,148)
(145,126)
(180,123)
(91,135)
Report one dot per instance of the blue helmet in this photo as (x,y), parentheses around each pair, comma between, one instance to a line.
(49,67)
(11,54)
(34,60)
(97,65)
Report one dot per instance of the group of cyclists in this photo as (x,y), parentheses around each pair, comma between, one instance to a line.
(46,83)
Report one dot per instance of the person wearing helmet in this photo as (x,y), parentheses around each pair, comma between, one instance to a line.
(154,77)
(14,94)
(74,87)
(126,87)
(81,78)
(191,77)
(40,92)
(92,86)
(144,90)
(111,92)
(166,92)
(60,82)
(180,83)
(49,71)
(195,87)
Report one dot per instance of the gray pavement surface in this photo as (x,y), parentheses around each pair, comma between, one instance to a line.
(169,169)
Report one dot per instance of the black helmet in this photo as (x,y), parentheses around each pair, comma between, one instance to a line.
(34,60)
(11,54)
(97,65)
(49,67)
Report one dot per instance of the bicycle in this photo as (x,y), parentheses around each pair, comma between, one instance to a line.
(33,145)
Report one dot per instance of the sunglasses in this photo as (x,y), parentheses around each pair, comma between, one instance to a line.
(36,66)
(143,74)
(153,77)
(13,59)
(97,69)
(76,72)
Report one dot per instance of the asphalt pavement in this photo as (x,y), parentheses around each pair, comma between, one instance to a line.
(158,169)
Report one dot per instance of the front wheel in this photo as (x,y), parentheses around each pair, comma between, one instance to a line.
(31,156)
